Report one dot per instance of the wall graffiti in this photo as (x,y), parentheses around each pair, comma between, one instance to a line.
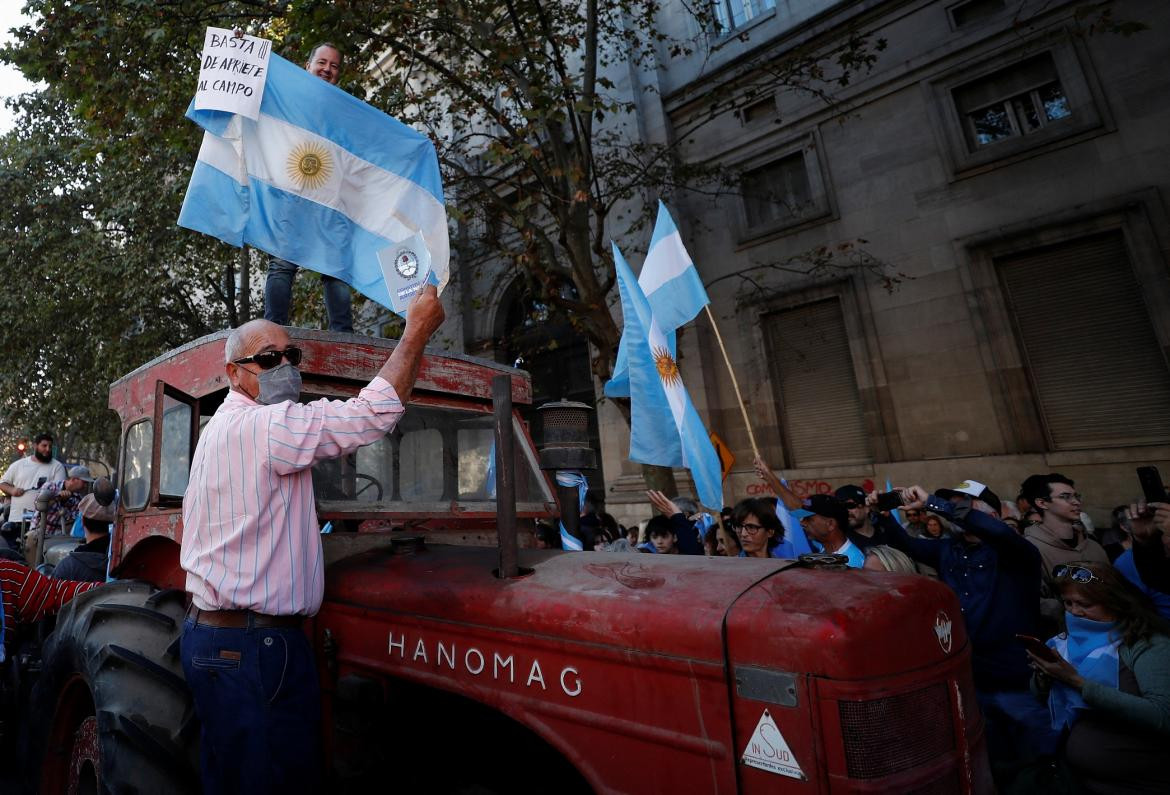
(804,488)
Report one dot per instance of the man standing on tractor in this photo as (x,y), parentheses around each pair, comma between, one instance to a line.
(324,62)
(252,550)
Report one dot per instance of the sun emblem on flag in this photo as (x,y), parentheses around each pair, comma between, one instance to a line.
(667,369)
(310,165)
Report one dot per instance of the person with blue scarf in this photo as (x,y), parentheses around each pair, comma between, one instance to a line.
(1108,683)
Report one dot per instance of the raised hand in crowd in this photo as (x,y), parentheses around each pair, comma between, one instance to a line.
(785,494)
(664,504)
(687,536)
(1150,556)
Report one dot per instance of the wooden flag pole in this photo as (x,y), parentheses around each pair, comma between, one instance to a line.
(734,382)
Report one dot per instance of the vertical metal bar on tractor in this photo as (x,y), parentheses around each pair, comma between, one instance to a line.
(505,476)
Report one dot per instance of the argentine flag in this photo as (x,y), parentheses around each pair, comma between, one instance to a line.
(320,179)
(665,428)
(673,289)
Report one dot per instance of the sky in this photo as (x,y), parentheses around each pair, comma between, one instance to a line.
(11,81)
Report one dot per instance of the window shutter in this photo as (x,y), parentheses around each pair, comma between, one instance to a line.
(1097,368)
(812,370)
(1016,79)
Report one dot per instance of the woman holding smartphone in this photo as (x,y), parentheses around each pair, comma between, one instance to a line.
(1109,686)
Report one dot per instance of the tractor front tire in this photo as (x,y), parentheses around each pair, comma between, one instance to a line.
(111,712)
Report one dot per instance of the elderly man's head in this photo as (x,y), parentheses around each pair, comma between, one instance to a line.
(254,347)
(325,62)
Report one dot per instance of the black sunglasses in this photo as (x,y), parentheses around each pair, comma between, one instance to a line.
(269,359)
(1075,573)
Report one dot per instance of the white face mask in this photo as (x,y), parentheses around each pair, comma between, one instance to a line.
(279,384)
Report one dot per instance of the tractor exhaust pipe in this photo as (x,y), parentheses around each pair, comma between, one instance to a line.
(505,464)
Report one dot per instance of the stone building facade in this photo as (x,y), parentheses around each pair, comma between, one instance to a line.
(957,269)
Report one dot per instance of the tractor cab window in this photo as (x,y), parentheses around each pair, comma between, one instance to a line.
(175,461)
(176,423)
(136,455)
(436,454)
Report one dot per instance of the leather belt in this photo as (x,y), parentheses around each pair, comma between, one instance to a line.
(241,619)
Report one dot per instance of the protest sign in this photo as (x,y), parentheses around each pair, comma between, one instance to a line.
(232,72)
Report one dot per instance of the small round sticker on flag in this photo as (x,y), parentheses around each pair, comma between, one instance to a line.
(406,263)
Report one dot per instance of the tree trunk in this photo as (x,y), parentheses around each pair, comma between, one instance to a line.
(660,479)
(245,283)
(655,477)
(229,294)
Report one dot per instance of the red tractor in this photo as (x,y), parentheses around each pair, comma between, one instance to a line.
(451,665)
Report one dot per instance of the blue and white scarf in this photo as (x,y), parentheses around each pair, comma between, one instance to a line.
(1092,648)
(569,477)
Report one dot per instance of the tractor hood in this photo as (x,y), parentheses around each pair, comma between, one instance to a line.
(839,624)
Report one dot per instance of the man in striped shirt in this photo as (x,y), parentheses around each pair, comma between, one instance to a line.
(29,596)
(252,550)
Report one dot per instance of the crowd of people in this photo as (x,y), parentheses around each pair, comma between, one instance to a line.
(1069,626)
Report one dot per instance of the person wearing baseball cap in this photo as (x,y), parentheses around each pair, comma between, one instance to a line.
(863,529)
(995,573)
(88,561)
(827,528)
(60,500)
(975,490)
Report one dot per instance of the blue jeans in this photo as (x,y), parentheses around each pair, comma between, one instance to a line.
(278,296)
(258,698)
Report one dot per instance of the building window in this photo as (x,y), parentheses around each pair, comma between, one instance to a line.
(1021,100)
(732,14)
(1017,105)
(975,11)
(777,193)
(760,110)
(820,407)
(1096,367)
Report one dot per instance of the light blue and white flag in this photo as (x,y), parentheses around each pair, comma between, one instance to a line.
(669,279)
(672,287)
(665,428)
(320,179)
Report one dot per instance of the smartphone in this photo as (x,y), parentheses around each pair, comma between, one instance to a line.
(41,482)
(1152,486)
(888,501)
(1038,647)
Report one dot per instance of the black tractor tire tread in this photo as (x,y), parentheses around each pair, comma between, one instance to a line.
(115,653)
(157,599)
(141,612)
(122,640)
(152,741)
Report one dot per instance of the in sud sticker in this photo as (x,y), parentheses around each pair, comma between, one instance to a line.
(768,750)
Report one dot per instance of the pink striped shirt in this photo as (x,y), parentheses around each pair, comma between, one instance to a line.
(250,534)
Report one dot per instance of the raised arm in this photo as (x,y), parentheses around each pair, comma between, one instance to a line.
(786,495)
(922,550)
(423,318)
